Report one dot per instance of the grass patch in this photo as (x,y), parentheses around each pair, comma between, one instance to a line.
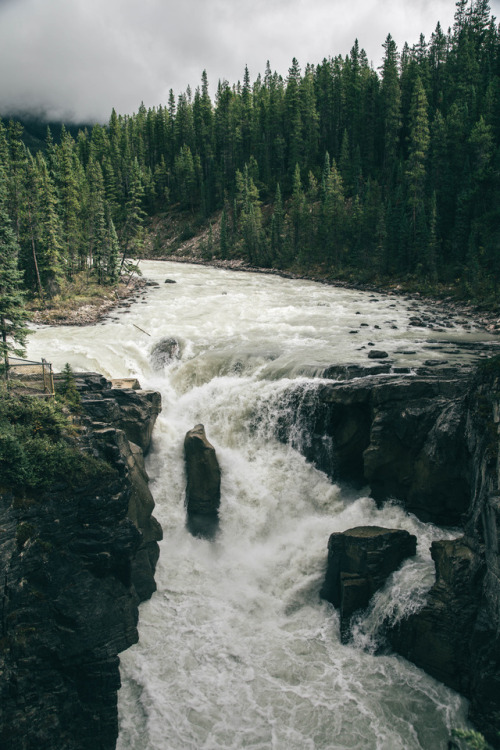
(38,448)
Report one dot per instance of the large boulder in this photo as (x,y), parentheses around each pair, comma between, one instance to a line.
(203,483)
(359,562)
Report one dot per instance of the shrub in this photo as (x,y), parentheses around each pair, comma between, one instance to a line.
(35,447)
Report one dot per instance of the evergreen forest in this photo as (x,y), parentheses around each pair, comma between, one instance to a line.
(338,169)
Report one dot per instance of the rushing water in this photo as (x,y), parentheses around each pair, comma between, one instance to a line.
(236,649)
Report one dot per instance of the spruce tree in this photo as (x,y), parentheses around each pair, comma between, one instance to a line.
(13,316)
(223,240)
(419,139)
(391,109)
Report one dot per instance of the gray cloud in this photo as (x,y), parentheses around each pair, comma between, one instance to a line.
(79,58)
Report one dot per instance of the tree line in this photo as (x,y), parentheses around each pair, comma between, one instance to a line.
(362,172)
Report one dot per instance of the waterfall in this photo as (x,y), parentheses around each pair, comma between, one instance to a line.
(236,649)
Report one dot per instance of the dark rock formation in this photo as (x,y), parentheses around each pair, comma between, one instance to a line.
(430,439)
(359,562)
(456,636)
(438,637)
(203,483)
(402,435)
(76,561)
(127,409)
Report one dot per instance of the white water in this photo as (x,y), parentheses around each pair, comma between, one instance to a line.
(236,649)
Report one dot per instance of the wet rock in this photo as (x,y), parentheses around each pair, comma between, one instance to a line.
(170,281)
(164,352)
(403,436)
(359,562)
(434,362)
(347,372)
(431,638)
(129,409)
(377,354)
(456,636)
(203,482)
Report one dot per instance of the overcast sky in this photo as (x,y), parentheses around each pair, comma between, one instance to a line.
(76,59)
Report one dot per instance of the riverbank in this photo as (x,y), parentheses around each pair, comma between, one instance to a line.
(84,304)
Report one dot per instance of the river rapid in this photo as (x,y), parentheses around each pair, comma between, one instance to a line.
(236,649)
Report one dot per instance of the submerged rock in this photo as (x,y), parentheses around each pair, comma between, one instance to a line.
(164,352)
(203,483)
(359,562)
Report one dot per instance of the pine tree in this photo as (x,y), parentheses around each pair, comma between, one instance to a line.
(419,139)
(223,240)
(297,210)
(277,226)
(69,180)
(391,107)
(111,255)
(333,215)
(96,229)
(132,234)
(48,230)
(13,316)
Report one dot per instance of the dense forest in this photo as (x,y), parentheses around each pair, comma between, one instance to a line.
(366,174)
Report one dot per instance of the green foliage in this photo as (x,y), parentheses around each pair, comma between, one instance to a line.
(474,739)
(13,316)
(372,173)
(36,449)
(67,388)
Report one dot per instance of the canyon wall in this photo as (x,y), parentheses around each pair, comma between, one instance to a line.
(76,562)
(431,441)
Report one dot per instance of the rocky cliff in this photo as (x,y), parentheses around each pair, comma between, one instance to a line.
(456,636)
(76,562)
(430,440)
(403,435)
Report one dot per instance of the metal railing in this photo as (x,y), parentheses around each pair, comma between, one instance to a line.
(28,377)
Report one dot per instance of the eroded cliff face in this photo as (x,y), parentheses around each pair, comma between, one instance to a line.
(403,435)
(76,561)
(431,440)
(456,636)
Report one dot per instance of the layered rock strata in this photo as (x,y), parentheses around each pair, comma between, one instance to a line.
(76,562)
(456,636)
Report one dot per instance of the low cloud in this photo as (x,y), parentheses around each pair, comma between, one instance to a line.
(76,59)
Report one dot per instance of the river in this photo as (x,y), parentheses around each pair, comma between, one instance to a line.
(236,649)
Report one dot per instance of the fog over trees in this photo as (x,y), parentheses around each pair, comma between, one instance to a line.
(364,174)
